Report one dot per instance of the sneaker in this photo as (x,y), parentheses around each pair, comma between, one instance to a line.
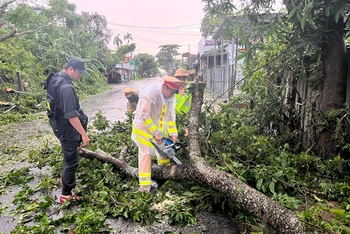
(71,198)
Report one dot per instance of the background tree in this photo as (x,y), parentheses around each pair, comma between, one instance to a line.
(211,22)
(312,36)
(97,26)
(128,37)
(113,58)
(46,50)
(166,55)
(145,64)
(117,41)
(65,37)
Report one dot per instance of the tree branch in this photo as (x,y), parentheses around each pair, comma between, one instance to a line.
(13,33)
(31,31)
(5,4)
(8,35)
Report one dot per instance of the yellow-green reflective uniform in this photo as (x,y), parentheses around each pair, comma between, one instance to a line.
(183,104)
(154,115)
(183,100)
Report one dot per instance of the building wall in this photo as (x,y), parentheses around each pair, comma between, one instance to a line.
(226,74)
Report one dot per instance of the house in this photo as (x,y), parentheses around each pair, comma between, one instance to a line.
(122,72)
(219,65)
(190,59)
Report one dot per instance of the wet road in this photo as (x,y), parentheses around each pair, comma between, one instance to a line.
(112,103)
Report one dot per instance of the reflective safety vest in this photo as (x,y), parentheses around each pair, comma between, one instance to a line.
(143,137)
(154,115)
(183,104)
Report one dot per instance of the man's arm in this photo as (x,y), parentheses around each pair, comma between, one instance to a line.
(75,122)
(69,106)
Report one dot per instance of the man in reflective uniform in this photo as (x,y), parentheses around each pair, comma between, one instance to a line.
(154,115)
(183,100)
(133,97)
(67,120)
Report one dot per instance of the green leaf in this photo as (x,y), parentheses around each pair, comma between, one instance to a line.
(241,55)
(310,5)
(259,183)
(298,16)
(292,13)
(303,21)
(103,193)
(327,11)
(337,15)
(272,187)
(338,211)
(125,214)
(339,11)
(311,21)
(278,174)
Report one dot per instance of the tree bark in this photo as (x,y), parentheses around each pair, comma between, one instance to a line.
(8,35)
(272,213)
(333,94)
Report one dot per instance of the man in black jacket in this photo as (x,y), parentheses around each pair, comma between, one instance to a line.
(67,120)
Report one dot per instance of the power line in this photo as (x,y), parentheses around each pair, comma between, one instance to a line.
(147,39)
(182,33)
(154,27)
(151,40)
(169,31)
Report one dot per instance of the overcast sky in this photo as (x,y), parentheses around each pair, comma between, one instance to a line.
(152,22)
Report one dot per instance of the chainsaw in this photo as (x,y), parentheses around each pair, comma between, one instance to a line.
(167,149)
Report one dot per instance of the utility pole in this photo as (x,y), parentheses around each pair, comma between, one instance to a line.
(189,52)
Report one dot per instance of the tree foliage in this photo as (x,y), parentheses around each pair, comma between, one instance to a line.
(166,55)
(128,37)
(145,64)
(97,26)
(117,41)
(112,58)
(40,52)
(300,44)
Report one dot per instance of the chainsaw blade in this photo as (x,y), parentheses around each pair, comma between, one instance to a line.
(163,154)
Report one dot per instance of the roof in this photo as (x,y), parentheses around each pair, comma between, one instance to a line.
(187,54)
(212,55)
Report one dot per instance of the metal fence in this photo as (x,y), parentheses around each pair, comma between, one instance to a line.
(218,80)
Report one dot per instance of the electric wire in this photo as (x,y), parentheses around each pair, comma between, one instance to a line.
(181,33)
(156,27)
(170,32)
(148,39)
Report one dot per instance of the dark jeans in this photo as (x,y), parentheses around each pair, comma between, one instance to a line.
(70,140)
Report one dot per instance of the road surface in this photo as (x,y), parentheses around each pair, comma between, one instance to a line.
(112,103)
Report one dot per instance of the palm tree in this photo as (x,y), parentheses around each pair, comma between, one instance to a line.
(128,37)
(117,41)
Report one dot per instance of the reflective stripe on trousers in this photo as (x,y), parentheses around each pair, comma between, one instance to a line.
(144,158)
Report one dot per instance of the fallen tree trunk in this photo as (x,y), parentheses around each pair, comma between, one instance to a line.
(272,213)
